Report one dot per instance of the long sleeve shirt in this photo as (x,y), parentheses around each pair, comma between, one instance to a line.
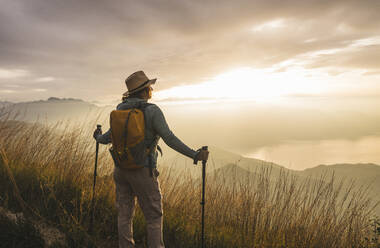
(156,128)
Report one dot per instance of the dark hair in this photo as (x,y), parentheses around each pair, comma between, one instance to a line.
(138,93)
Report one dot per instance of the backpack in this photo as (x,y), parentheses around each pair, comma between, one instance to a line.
(129,150)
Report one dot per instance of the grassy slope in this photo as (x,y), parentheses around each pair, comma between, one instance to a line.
(53,174)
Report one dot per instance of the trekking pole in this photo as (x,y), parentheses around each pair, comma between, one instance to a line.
(203,203)
(99,128)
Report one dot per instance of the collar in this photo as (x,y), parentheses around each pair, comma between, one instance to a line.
(133,99)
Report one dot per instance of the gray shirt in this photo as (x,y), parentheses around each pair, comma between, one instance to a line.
(156,127)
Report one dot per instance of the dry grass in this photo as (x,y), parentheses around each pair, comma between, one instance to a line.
(52,167)
(286,212)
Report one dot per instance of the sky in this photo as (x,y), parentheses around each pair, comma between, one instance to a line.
(228,53)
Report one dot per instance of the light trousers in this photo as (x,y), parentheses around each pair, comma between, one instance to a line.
(132,185)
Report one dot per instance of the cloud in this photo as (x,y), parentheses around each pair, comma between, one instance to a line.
(366,58)
(7,91)
(45,79)
(271,26)
(39,90)
(94,45)
(12,73)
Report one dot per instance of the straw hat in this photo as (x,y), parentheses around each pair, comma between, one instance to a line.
(137,81)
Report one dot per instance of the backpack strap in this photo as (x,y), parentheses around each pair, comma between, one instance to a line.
(142,106)
(159,149)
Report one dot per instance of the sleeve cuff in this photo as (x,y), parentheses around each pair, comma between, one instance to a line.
(196,156)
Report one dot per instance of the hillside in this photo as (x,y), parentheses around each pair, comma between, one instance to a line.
(366,175)
(230,175)
(50,180)
(360,171)
(226,170)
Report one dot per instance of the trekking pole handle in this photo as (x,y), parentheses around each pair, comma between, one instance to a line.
(204,148)
(99,127)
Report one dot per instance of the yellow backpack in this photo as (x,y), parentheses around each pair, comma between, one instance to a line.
(128,149)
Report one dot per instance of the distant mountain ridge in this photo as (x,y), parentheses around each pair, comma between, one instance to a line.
(54,109)
(337,166)
(360,170)
(5,104)
(64,99)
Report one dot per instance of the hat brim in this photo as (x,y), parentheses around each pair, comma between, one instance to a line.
(149,83)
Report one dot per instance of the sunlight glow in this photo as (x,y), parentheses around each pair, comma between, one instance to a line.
(247,83)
